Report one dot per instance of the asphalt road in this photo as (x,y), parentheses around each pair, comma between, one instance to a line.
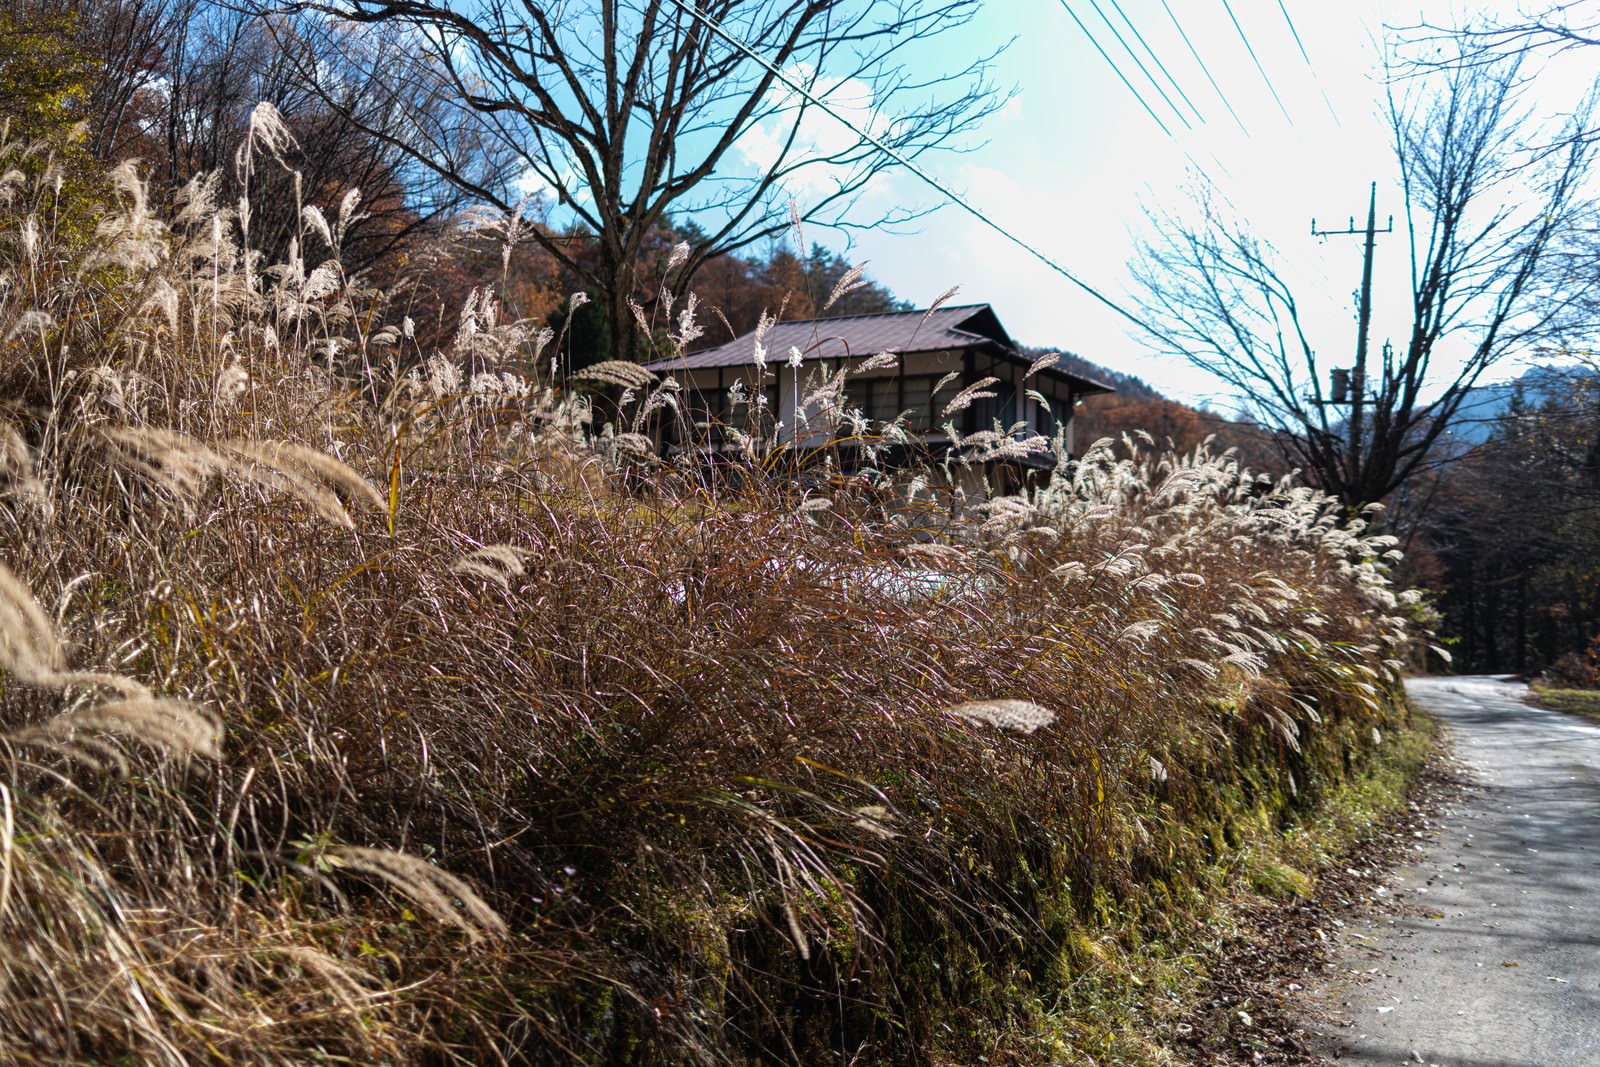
(1490,956)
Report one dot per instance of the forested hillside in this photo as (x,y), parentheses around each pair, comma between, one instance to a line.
(1506,531)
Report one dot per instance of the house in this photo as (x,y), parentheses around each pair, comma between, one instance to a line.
(717,384)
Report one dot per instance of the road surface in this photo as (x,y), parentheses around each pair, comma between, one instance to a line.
(1491,955)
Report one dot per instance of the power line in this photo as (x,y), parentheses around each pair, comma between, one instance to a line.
(1257,61)
(1106,56)
(1157,60)
(1309,65)
(1295,32)
(1138,62)
(1204,69)
(1103,55)
(900,158)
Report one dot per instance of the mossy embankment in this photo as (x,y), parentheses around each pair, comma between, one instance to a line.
(1141,986)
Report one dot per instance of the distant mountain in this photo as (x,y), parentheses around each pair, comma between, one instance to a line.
(1541,385)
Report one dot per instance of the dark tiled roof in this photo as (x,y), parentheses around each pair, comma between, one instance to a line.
(966,326)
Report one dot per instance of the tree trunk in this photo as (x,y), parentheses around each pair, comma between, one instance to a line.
(1491,619)
(1522,623)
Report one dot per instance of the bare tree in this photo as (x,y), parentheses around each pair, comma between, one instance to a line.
(1547,37)
(128,44)
(225,61)
(173,82)
(1491,213)
(621,111)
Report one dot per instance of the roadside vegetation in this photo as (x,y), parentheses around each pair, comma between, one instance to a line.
(365,702)
(1585,702)
(1570,684)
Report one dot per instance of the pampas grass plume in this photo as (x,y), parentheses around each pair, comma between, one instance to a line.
(1023,716)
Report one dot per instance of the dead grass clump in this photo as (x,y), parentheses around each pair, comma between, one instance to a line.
(549,752)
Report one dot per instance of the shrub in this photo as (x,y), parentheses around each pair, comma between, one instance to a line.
(1577,670)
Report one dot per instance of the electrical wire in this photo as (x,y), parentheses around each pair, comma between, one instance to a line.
(899,157)
(1309,65)
(1157,60)
(1193,162)
(1107,57)
(1138,62)
(1204,69)
(1257,61)
(1295,32)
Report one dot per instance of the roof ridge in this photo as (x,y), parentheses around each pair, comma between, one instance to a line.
(877,314)
(823,323)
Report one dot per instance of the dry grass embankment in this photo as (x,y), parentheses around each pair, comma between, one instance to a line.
(355,709)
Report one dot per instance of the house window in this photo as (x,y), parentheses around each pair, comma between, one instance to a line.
(705,406)
(743,413)
(1001,408)
(876,398)
(919,401)
(701,412)
(883,399)
(1060,412)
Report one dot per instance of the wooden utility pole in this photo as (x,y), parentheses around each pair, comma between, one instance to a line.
(1358,378)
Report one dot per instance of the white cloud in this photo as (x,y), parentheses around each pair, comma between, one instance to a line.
(821,135)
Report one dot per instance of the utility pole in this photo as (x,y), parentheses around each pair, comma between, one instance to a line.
(1358,378)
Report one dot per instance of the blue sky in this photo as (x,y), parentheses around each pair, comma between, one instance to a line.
(1074,161)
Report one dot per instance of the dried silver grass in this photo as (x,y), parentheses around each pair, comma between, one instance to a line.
(978,390)
(936,550)
(618,372)
(988,446)
(173,727)
(495,563)
(178,464)
(268,131)
(1140,632)
(875,819)
(880,361)
(848,283)
(184,467)
(633,444)
(939,302)
(287,457)
(427,885)
(1023,716)
(938,386)
(350,984)
(1044,362)
(29,647)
